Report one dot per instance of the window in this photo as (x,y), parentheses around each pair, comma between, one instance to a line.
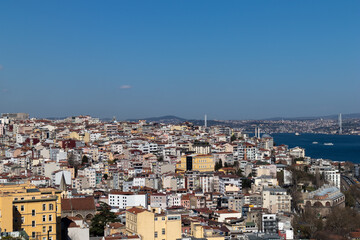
(155,235)
(44,218)
(44,238)
(22,208)
(51,206)
(163,218)
(22,219)
(33,212)
(50,218)
(50,228)
(163,231)
(33,234)
(155,219)
(44,229)
(33,224)
(44,207)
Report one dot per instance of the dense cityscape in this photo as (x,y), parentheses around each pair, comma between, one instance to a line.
(179,120)
(349,126)
(82,178)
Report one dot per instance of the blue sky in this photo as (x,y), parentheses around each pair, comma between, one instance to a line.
(133,59)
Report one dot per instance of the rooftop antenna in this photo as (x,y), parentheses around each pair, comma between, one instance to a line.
(205,121)
(340,124)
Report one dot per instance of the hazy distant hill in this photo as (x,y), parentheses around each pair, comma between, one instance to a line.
(175,120)
(163,119)
(344,116)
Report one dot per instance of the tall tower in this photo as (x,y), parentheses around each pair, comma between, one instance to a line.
(340,124)
(205,121)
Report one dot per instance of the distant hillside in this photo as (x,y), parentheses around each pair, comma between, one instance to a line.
(163,119)
(344,116)
(236,123)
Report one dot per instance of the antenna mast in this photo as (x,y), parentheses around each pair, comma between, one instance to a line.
(340,124)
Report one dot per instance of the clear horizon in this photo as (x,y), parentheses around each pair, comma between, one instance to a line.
(138,59)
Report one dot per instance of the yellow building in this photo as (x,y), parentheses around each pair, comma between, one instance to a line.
(179,128)
(81,137)
(202,231)
(37,211)
(196,162)
(153,226)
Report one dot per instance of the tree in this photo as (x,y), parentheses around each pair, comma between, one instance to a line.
(73,162)
(307,223)
(246,183)
(236,164)
(342,220)
(84,160)
(280,177)
(100,220)
(233,138)
(239,173)
(218,165)
(349,199)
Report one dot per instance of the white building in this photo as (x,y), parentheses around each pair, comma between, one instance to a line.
(94,136)
(174,200)
(230,181)
(90,174)
(57,175)
(117,147)
(78,229)
(333,177)
(297,152)
(276,200)
(139,182)
(122,200)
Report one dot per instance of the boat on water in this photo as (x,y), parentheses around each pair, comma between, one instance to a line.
(314,142)
(328,144)
(297,134)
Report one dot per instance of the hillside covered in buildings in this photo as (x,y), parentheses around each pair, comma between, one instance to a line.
(81,178)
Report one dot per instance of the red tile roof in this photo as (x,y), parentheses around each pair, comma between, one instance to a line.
(70,204)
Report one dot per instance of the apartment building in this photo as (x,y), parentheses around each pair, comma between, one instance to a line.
(196,162)
(153,226)
(123,200)
(37,211)
(276,200)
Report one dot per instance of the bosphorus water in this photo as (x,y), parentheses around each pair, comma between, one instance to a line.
(345,148)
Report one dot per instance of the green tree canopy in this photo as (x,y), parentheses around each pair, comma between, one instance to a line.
(100,220)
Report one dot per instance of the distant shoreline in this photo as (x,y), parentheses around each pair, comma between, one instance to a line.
(345,148)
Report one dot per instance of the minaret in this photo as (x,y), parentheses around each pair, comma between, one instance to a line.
(63,183)
(340,124)
(205,121)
